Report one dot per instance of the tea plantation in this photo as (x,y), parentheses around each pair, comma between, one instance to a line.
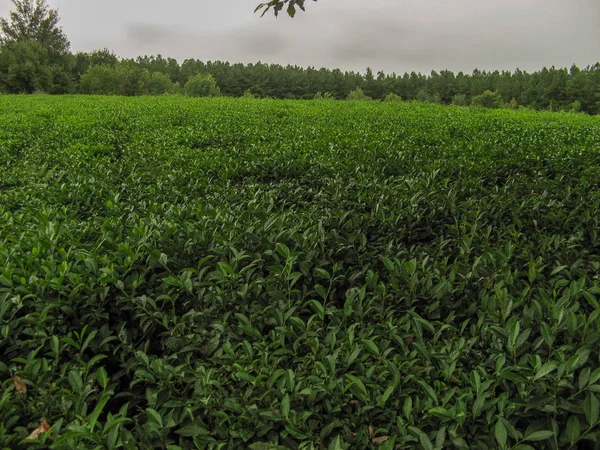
(222,274)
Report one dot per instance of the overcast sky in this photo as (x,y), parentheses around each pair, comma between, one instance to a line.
(390,35)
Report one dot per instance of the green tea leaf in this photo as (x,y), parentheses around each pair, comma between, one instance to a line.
(545,370)
(261,446)
(539,435)
(282,250)
(358,388)
(383,398)
(371,347)
(591,408)
(407,408)
(336,444)
(322,273)
(285,406)
(102,377)
(573,430)
(500,434)
(154,417)
(425,442)
(192,430)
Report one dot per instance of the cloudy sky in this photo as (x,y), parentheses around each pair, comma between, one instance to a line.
(390,35)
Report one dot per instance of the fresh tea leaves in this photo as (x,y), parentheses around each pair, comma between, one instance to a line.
(217,273)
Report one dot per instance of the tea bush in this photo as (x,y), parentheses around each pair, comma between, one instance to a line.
(214,273)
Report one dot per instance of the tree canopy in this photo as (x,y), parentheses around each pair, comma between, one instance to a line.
(34,51)
(291,6)
(33,20)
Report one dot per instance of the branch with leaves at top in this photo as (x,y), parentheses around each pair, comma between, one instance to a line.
(279,5)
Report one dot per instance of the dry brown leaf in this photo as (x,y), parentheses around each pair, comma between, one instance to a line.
(370,431)
(19,384)
(43,428)
(380,440)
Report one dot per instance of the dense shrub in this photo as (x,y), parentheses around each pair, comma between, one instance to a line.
(460,100)
(25,68)
(155,83)
(100,80)
(488,99)
(391,97)
(358,94)
(202,86)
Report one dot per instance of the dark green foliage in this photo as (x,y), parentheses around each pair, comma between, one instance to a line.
(202,86)
(25,68)
(155,83)
(124,78)
(488,99)
(100,80)
(422,96)
(129,77)
(103,57)
(393,98)
(213,273)
(34,51)
(513,104)
(358,94)
(32,20)
(81,62)
(460,100)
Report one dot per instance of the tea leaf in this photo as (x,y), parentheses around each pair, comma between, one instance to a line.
(501,434)
(591,408)
(573,429)
(539,435)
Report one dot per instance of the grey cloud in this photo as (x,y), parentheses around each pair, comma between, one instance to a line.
(369,39)
(249,41)
(148,34)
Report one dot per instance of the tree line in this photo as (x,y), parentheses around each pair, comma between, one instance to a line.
(35,57)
